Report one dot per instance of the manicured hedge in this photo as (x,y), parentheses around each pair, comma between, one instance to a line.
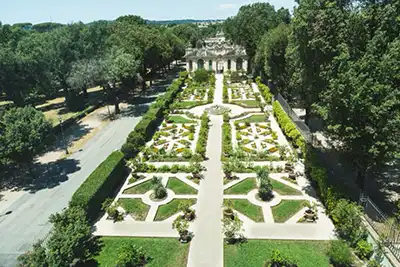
(201,145)
(226,139)
(264,90)
(288,127)
(100,184)
(145,129)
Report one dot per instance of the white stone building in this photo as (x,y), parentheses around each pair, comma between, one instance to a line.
(217,54)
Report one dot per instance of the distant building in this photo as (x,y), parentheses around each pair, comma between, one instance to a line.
(216,54)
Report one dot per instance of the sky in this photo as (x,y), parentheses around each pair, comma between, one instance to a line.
(67,11)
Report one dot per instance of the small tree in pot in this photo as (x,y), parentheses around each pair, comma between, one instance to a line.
(188,213)
(311,213)
(228,210)
(231,229)
(265,187)
(182,226)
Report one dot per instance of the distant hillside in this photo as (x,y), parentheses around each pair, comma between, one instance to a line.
(182,21)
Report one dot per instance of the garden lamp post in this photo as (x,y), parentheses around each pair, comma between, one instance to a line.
(62,134)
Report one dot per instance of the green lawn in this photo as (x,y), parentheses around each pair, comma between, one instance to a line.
(283,189)
(242,188)
(140,188)
(248,209)
(179,187)
(166,252)
(135,207)
(255,253)
(246,103)
(286,209)
(189,104)
(179,119)
(167,210)
(254,118)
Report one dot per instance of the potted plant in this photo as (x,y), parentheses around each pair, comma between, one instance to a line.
(228,210)
(231,229)
(311,213)
(182,226)
(188,213)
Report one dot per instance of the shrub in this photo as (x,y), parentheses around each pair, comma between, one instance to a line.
(150,120)
(231,229)
(347,218)
(201,76)
(339,254)
(264,90)
(265,187)
(226,140)
(100,184)
(280,260)
(131,256)
(364,249)
(288,127)
(203,135)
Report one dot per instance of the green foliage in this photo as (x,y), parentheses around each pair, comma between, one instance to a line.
(131,256)
(70,241)
(265,92)
(339,254)
(201,76)
(35,257)
(251,23)
(149,122)
(278,259)
(270,55)
(364,249)
(24,133)
(265,187)
(232,228)
(203,135)
(227,149)
(100,184)
(288,127)
(347,217)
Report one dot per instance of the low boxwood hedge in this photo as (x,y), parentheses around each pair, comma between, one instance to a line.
(100,184)
(288,127)
(145,129)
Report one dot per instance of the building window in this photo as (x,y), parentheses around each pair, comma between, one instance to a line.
(190,65)
(229,64)
(210,65)
(239,64)
(200,64)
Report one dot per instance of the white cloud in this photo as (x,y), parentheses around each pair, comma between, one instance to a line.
(227,6)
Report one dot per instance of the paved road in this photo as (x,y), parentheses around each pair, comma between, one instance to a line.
(28,221)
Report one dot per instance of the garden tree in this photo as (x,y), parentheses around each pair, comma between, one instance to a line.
(66,48)
(360,106)
(232,229)
(71,238)
(25,132)
(83,74)
(35,48)
(69,242)
(265,186)
(35,257)
(201,76)
(116,67)
(189,33)
(46,26)
(131,19)
(131,256)
(95,37)
(348,221)
(270,56)
(250,24)
(319,29)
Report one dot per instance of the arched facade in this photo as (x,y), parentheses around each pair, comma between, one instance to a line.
(200,64)
(216,54)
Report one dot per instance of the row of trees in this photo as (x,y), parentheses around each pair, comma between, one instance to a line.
(39,62)
(338,59)
(52,59)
